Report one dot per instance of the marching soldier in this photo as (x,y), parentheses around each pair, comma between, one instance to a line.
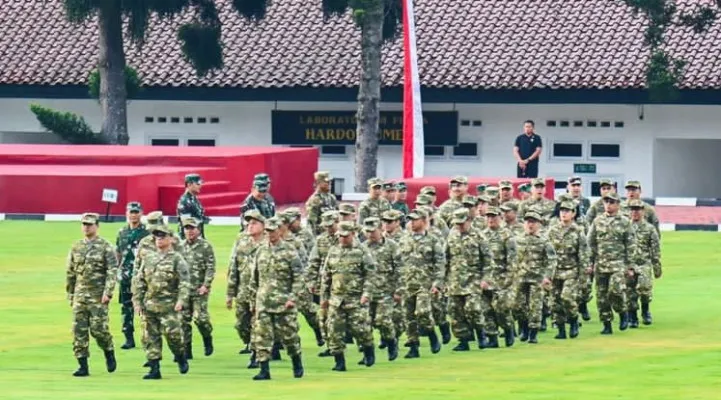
(304,233)
(392,225)
(647,262)
(633,192)
(200,257)
(258,199)
(189,204)
(537,202)
(506,192)
(320,201)
(375,205)
(606,186)
(127,242)
(458,189)
(90,281)
(510,218)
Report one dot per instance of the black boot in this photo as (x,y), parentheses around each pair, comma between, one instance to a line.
(573,328)
(435,344)
(183,366)
(492,342)
(129,340)
(646,314)
(445,328)
(583,309)
(633,319)
(543,323)
(524,331)
(481,339)
(623,323)
(348,339)
(188,352)
(264,373)
(110,362)
(318,337)
(297,366)
(462,345)
(383,344)
(532,336)
(369,353)
(154,372)
(208,344)
(509,337)
(325,353)
(83,369)
(561,331)
(253,363)
(607,328)
(245,350)
(413,352)
(392,349)
(339,362)
(275,352)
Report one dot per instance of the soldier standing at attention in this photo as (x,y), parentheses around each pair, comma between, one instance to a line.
(162,291)
(276,282)
(375,205)
(386,293)
(189,204)
(569,242)
(606,186)
(613,246)
(498,283)
(458,189)
(640,282)
(633,192)
(536,264)
(538,202)
(239,274)
(320,201)
(126,246)
(424,263)
(467,256)
(348,283)
(200,257)
(389,191)
(399,202)
(92,269)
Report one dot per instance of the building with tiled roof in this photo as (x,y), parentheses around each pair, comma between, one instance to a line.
(575,67)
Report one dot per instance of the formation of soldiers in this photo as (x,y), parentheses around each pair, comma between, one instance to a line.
(477,268)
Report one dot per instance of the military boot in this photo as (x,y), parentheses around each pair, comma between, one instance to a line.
(110,363)
(129,340)
(245,350)
(297,366)
(607,328)
(633,319)
(533,336)
(544,327)
(646,314)
(462,345)
(623,321)
(383,344)
(208,344)
(339,362)
(435,343)
(524,331)
(275,352)
(509,337)
(392,349)
(583,309)
(369,353)
(481,339)
(348,339)
(253,363)
(83,369)
(325,353)
(318,337)
(445,329)
(413,351)
(264,373)
(183,366)
(561,331)
(188,352)
(573,328)
(492,342)
(154,372)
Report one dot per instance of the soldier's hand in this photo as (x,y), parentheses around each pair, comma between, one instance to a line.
(138,310)
(484,285)
(657,274)
(397,298)
(435,290)
(546,282)
(364,300)
(289,304)
(178,306)
(324,304)
(105,299)
(203,290)
(229,302)
(589,270)
(630,273)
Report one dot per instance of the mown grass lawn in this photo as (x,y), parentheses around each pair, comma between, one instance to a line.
(679,357)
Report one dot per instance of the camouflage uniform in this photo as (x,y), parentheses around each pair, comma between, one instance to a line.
(613,247)
(200,258)
(349,274)
(91,274)
(647,262)
(543,206)
(439,301)
(446,209)
(316,262)
(189,206)
(318,203)
(373,207)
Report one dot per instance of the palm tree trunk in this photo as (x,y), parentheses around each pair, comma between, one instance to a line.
(369,95)
(113,96)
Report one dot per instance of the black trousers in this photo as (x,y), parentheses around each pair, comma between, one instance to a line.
(531,171)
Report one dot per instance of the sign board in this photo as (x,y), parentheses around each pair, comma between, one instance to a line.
(110,195)
(584,168)
(339,128)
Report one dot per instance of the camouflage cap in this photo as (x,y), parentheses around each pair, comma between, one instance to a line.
(532,215)
(470,201)
(564,197)
(322,176)
(538,182)
(284,218)
(261,186)
(481,188)
(484,198)
(611,196)
(424,200)
(460,179)
(193,178)
(633,184)
(417,214)
(347,209)
(428,190)
(373,182)
(371,223)
(524,188)
(346,228)
(154,217)
(401,186)
(460,216)
(390,186)
(292,212)
(606,182)
(253,214)
(391,215)
(568,205)
(329,218)
(134,206)
(636,204)
(574,180)
(90,218)
(261,177)
(505,184)
(163,228)
(509,206)
(493,211)
(188,221)
(272,224)
(492,191)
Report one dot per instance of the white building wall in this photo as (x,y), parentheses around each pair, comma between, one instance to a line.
(249,124)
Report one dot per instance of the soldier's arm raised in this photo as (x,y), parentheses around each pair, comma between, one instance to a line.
(210,265)
(70,276)
(111,276)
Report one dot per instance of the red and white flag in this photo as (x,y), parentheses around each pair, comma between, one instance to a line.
(413,154)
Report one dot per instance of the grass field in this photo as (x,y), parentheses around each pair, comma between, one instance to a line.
(678,357)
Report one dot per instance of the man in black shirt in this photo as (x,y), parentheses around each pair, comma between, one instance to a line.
(527,151)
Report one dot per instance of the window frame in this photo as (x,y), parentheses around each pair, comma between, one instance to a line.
(552,157)
(459,157)
(610,142)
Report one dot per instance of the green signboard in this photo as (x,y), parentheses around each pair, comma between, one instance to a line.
(584,168)
(440,128)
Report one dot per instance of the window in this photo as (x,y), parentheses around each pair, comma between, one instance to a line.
(565,124)
(188,120)
(578,124)
(332,150)
(567,150)
(551,124)
(477,122)
(437,151)
(149,120)
(174,120)
(201,142)
(465,122)
(618,124)
(560,184)
(214,120)
(591,124)
(605,150)
(202,120)
(605,124)
(162,120)
(165,142)
(466,150)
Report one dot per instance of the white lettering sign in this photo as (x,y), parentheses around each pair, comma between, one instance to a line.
(110,195)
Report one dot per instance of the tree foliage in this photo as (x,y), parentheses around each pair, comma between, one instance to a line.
(132,83)
(663,71)
(392,13)
(70,127)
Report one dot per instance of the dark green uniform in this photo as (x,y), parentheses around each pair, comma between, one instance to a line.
(189,205)
(126,246)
